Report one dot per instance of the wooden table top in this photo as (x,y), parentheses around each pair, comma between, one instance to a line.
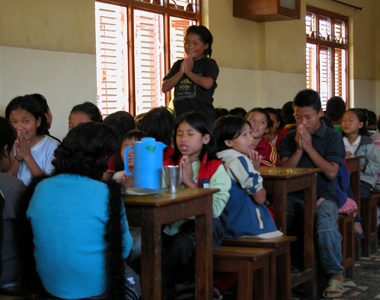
(285,173)
(165,198)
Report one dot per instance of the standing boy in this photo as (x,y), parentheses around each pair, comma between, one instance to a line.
(314,145)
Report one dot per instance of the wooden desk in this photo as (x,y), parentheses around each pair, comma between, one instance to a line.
(353,164)
(279,182)
(151,212)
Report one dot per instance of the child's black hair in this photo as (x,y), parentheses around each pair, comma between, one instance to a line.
(122,121)
(158,123)
(238,111)
(8,136)
(205,36)
(271,110)
(335,108)
(287,113)
(90,109)
(327,121)
(228,128)
(86,149)
(201,124)
(134,134)
(371,118)
(31,105)
(362,118)
(264,112)
(308,98)
(280,119)
(220,112)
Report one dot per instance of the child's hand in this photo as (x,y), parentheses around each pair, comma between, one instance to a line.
(348,154)
(305,138)
(188,67)
(22,146)
(186,172)
(127,181)
(255,158)
(298,138)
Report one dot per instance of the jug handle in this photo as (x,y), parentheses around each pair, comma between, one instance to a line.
(126,160)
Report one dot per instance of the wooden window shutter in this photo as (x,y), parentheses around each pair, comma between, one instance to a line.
(311,64)
(111,57)
(325,82)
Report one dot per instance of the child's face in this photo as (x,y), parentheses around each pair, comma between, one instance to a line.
(128,143)
(273,117)
(194,46)
(25,123)
(308,117)
(190,141)
(244,142)
(350,123)
(259,124)
(76,118)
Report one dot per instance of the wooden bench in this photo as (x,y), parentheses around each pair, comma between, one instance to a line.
(281,246)
(346,229)
(369,216)
(253,267)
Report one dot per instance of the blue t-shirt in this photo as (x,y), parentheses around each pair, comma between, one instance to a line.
(68,215)
(329,144)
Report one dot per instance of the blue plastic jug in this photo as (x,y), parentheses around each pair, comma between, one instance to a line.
(148,160)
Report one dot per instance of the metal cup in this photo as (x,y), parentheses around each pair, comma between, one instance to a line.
(172,179)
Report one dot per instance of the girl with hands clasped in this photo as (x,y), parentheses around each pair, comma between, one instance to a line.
(194,78)
(34,151)
(195,152)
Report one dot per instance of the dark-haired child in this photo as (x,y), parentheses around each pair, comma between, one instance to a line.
(287,114)
(194,78)
(84,113)
(159,123)
(10,188)
(238,111)
(128,140)
(273,135)
(260,124)
(314,145)
(357,142)
(335,109)
(34,150)
(195,153)
(74,229)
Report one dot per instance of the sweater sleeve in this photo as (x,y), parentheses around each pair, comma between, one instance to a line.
(220,180)
(372,161)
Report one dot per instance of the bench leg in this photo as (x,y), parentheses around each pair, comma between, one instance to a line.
(284,278)
(245,279)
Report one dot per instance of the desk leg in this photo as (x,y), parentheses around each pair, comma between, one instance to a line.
(310,195)
(150,255)
(280,198)
(355,186)
(203,253)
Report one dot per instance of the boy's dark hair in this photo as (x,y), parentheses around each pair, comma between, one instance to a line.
(362,118)
(271,110)
(122,121)
(228,128)
(335,108)
(86,150)
(201,124)
(90,109)
(238,111)
(136,134)
(264,112)
(138,120)
(371,118)
(31,105)
(220,112)
(8,136)
(205,36)
(287,113)
(307,98)
(158,123)
(327,121)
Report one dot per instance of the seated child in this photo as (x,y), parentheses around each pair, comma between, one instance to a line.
(128,140)
(335,109)
(260,124)
(273,135)
(195,153)
(34,149)
(247,214)
(73,226)
(10,187)
(84,113)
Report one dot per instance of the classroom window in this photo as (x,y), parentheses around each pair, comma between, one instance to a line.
(326,54)
(137,41)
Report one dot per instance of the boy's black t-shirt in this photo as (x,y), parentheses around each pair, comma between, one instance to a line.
(329,144)
(189,96)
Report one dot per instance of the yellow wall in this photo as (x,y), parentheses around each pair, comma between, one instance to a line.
(58,25)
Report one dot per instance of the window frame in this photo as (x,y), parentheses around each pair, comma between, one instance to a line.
(167,10)
(320,42)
